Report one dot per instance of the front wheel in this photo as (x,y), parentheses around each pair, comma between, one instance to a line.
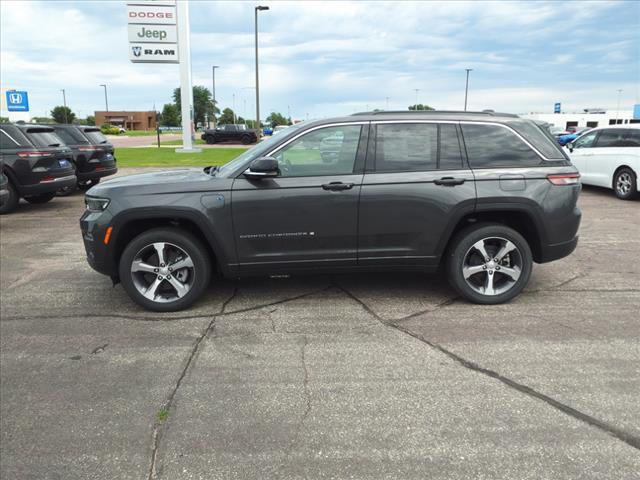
(210,140)
(165,269)
(42,198)
(489,263)
(625,184)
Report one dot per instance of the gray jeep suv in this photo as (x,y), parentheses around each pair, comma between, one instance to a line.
(482,194)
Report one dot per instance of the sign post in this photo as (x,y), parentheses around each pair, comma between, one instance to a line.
(158,32)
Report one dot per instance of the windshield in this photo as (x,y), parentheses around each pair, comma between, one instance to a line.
(44,138)
(96,136)
(256,151)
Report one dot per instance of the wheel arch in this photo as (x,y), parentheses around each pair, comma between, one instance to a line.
(618,168)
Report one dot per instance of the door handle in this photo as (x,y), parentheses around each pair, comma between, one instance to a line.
(337,186)
(449,181)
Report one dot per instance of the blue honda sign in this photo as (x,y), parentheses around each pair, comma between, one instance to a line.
(17,101)
(556,107)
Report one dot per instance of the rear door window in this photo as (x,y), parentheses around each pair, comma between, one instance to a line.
(617,137)
(68,137)
(403,147)
(493,146)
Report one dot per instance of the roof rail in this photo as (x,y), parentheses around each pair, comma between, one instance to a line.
(437,112)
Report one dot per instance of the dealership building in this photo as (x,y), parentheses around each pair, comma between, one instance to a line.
(589,117)
(128,120)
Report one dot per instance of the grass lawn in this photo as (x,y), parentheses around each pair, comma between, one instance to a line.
(146,133)
(198,141)
(167,157)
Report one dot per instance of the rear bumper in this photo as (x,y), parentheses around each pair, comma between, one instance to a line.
(558,250)
(83,176)
(48,186)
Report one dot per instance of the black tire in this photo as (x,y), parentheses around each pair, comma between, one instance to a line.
(11,202)
(464,254)
(42,198)
(246,140)
(210,139)
(175,237)
(625,184)
(87,184)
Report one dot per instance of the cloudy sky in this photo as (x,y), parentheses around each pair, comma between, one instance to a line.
(323,58)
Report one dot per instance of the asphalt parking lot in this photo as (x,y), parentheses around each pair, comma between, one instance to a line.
(377,376)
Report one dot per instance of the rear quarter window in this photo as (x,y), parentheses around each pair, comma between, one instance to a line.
(96,137)
(540,139)
(494,146)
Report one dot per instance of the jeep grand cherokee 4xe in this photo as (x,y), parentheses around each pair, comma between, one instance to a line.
(483,194)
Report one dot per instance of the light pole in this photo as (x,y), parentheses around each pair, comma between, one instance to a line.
(64,102)
(466,88)
(213,92)
(387,103)
(618,106)
(106,101)
(256,10)
(416,90)
(234,108)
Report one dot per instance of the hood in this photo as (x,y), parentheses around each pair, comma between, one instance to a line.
(166,182)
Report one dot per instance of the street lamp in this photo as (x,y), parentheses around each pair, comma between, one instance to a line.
(618,106)
(466,88)
(106,102)
(256,10)
(213,91)
(416,90)
(64,101)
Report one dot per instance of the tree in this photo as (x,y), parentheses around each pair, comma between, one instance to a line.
(420,106)
(91,120)
(170,115)
(4,119)
(62,114)
(226,117)
(202,103)
(42,120)
(277,119)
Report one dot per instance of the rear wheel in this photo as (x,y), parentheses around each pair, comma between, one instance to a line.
(210,139)
(42,198)
(165,269)
(246,139)
(489,263)
(625,184)
(11,202)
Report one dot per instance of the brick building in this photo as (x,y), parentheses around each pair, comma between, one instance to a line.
(128,120)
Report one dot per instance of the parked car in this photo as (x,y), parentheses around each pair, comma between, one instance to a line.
(37,163)
(230,133)
(570,137)
(93,155)
(267,131)
(609,157)
(4,183)
(401,194)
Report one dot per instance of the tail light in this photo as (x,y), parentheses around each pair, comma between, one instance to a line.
(33,154)
(564,178)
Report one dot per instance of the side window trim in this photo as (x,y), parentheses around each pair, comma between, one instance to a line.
(10,137)
(271,153)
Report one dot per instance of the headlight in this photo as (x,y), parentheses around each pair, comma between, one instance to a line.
(95,204)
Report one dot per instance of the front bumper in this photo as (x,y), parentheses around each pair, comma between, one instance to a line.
(93,226)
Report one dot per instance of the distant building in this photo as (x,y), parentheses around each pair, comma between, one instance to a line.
(128,120)
(589,117)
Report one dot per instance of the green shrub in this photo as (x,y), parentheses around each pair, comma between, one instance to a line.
(109,129)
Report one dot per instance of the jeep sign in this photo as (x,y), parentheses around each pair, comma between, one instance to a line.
(153,34)
(153,52)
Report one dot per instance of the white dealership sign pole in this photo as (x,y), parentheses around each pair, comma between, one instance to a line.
(159,33)
(186,90)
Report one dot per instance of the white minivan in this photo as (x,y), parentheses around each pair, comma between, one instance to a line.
(609,157)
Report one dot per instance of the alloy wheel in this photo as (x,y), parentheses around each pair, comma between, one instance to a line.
(624,183)
(162,272)
(492,266)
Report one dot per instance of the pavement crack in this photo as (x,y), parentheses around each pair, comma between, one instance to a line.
(307,395)
(612,430)
(99,349)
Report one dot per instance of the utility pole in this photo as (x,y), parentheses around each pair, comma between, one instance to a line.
(213,92)
(256,10)
(106,101)
(416,90)
(618,106)
(466,88)
(64,101)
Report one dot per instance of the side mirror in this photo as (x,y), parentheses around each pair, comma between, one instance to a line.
(263,167)
(570,146)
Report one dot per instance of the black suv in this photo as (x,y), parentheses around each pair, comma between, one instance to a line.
(4,183)
(93,156)
(482,194)
(37,163)
(230,133)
